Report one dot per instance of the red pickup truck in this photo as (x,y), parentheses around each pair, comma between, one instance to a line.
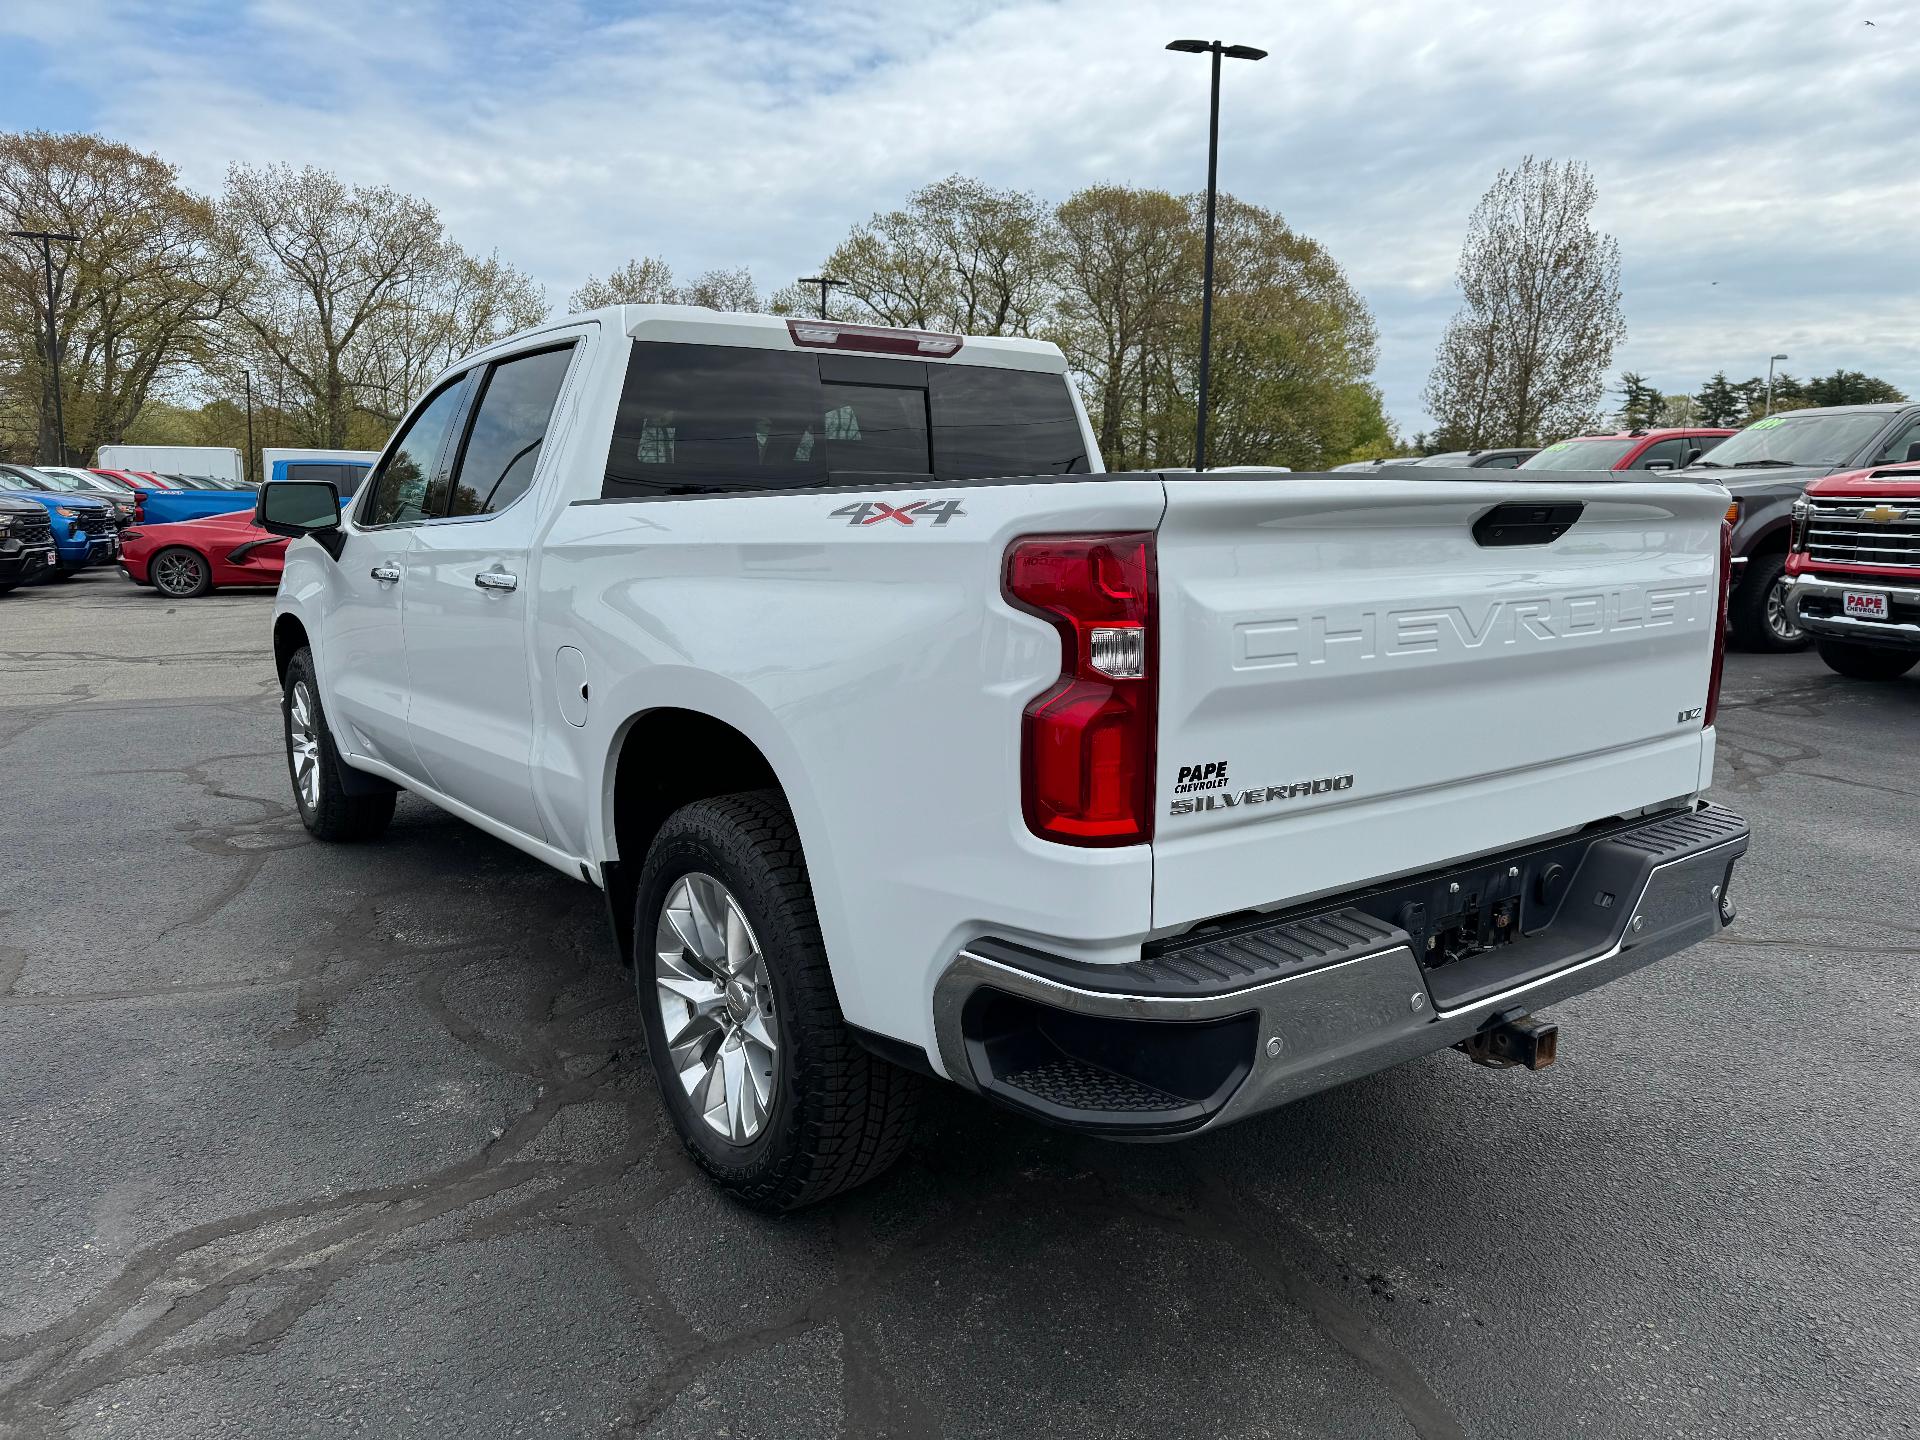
(1853,570)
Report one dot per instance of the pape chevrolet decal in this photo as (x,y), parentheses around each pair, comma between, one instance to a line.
(1264,795)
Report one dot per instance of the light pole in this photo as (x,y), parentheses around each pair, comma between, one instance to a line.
(1236,52)
(1770,360)
(46,239)
(823,281)
(248,374)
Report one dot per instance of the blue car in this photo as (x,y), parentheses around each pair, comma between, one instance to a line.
(84,532)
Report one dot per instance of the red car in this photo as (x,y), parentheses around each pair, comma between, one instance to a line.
(1853,570)
(1629,450)
(190,557)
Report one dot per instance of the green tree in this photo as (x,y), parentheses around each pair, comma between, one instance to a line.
(1293,347)
(1848,387)
(1719,402)
(136,296)
(959,255)
(1639,401)
(1127,276)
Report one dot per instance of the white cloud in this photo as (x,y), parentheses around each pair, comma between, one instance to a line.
(1768,146)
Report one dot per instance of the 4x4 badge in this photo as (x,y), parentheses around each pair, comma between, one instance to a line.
(872,512)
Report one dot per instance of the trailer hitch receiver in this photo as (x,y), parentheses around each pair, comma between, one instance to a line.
(1513,1038)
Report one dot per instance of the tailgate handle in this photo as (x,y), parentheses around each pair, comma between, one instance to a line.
(1523,522)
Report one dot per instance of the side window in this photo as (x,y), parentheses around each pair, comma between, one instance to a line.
(1501,462)
(509,423)
(1704,443)
(1670,451)
(989,422)
(695,419)
(400,484)
(1895,450)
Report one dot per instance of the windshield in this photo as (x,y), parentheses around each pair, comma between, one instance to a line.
(1453,459)
(56,481)
(1582,455)
(1812,438)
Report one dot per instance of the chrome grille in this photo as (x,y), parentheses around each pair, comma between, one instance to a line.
(1837,535)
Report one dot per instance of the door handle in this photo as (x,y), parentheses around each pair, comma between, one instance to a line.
(385,574)
(496,580)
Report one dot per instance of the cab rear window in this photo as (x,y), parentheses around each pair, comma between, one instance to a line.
(705,418)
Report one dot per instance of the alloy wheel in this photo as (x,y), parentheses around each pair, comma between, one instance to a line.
(177,572)
(1779,617)
(303,744)
(716,1007)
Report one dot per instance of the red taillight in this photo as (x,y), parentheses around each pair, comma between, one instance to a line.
(881,339)
(1720,625)
(1086,751)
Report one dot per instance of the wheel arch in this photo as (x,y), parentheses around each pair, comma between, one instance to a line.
(661,759)
(289,637)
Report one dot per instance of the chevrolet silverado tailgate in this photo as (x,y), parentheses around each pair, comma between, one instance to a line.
(1364,677)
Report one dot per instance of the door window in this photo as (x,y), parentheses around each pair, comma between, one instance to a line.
(400,485)
(1670,451)
(1500,462)
(1895,450)
(509,425)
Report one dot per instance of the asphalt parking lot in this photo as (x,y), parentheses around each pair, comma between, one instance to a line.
(303,1140)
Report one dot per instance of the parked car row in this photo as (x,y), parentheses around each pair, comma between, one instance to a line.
(182,534)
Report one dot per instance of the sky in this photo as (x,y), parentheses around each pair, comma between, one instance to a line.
(1759,162)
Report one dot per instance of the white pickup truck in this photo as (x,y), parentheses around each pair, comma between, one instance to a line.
(902,739)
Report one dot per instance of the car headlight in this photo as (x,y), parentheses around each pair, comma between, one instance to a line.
(1797,529)
(68,511)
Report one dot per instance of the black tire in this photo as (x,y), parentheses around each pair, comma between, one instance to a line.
(326,809)
(838,1115)
(1866,662)
(180,573)
(1757,610)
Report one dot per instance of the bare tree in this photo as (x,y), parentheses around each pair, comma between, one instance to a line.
(645,281)
(1525,359)
(136,293)
(722,290)
(649,281)
(355,294)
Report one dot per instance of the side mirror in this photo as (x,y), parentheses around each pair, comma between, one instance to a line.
(1691,457)
(1913,453)
(294,508)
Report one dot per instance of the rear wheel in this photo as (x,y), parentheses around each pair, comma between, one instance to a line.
(1759,613)
(769,1091)
(180,573)
(326,808)
(1866,662)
